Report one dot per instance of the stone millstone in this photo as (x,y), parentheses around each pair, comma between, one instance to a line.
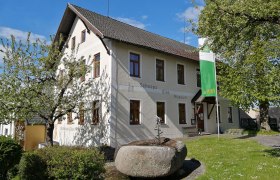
(139,160)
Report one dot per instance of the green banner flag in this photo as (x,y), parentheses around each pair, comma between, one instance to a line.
(207,70)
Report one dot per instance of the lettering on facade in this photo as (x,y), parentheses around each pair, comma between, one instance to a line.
(68,128)
(130,88)
(164,91)
(149,86)
(180,97)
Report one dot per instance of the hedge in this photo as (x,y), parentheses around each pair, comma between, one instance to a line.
(10,154)
(62,163)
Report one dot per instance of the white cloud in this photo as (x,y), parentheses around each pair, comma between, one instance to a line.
(191,13)
(6,32)
(144,17)
(132,22)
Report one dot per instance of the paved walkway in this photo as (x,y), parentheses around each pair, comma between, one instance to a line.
(272,141)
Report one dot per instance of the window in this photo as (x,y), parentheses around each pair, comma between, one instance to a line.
(83,70)
(134,112)
(182,114)
(82,114)
(198,80)
(180,74)
(95,112)
(69,118)
(161,111)
(96,65)
(83,36)
(230,114)
(61,76)
(59,120)
(134,65)
(73,44)
(159,70)
(219,111)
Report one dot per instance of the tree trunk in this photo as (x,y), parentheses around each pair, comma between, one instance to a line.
(264,107)
(49,138)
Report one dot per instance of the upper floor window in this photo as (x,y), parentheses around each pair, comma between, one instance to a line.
(161,111)
(198,79)
(134,112)
(159,70)
(182,113)
(96,65)
(69,118)
(180,74)
(230,114)
(134,65)
(83,36)
(73,43)
(83,70)
(95,112)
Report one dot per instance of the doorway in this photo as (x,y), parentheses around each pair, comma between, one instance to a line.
(199,116)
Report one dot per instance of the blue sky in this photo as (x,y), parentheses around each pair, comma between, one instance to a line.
(42,17)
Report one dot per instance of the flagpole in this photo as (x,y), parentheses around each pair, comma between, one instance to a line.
(217,100)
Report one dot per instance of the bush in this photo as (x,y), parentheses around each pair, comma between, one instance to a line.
(32,167)
(63,163)
(10,154)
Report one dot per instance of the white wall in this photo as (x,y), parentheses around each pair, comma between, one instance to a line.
(87,134)
(149,91)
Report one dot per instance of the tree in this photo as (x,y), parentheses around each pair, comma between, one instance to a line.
(246,36)
(37,79)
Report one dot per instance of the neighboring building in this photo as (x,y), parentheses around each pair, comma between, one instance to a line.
(250,119)
(28,133)
(7,129)
(143,75)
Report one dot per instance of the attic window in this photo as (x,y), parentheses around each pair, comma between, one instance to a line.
(73,43)
(83,36)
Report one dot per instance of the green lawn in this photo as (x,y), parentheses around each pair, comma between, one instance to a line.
(229,158)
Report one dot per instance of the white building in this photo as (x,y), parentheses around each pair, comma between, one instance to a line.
(7,129)
(147,76)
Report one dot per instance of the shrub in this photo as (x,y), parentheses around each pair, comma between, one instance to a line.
(32,167)
(10,154)
(64,163)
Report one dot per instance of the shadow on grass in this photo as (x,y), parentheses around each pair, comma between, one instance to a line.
(246,136)
(273,152)
(190,167)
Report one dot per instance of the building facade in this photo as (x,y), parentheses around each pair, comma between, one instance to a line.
(143,76)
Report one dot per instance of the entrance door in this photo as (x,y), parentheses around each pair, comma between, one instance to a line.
(199,116)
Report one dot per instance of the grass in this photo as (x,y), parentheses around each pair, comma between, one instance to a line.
(229,158)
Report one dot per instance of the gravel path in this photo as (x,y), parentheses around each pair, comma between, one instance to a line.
(272,141)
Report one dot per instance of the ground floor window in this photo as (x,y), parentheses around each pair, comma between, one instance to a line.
(82,114)
(134,112)
(182,113)
(219,114)
(230,114)
(95,112)
(161,111)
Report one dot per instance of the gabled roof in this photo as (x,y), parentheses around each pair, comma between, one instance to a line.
(106,27)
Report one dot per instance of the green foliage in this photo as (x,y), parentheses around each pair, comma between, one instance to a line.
(233,158)
(62,163)
(32,167)
(10,154)
(246,36)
